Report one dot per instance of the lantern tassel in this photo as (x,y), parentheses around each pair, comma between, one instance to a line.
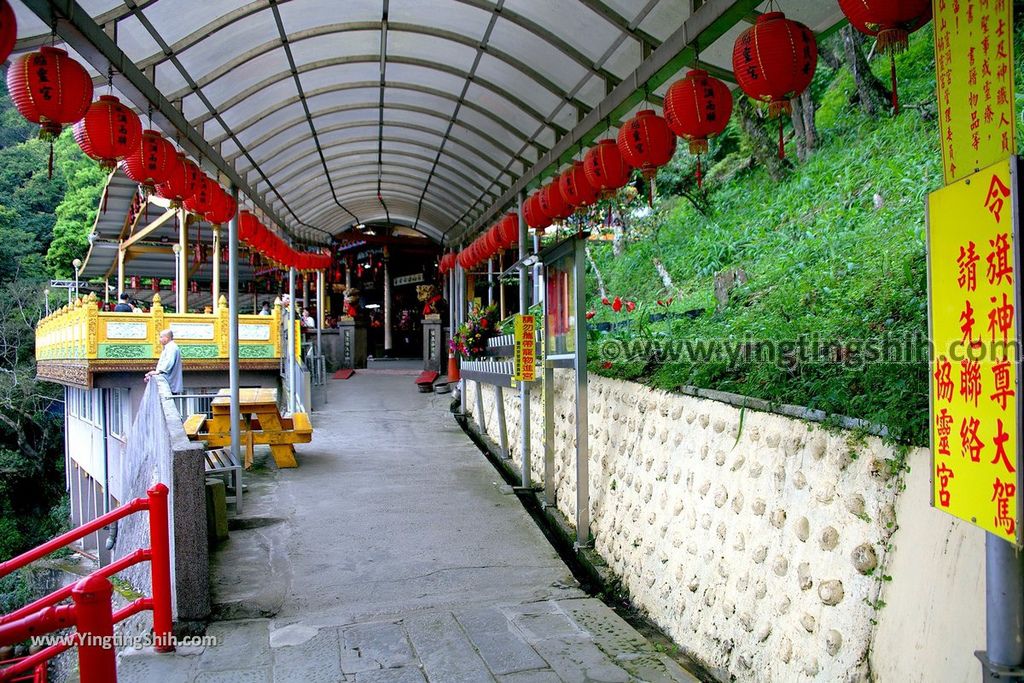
(700,183)
(782,142)
(892,75)
(49,166)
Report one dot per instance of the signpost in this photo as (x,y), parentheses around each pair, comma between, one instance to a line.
(525,348)
(975,331)
(974,76)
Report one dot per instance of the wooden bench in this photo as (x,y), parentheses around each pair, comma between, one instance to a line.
(262,423)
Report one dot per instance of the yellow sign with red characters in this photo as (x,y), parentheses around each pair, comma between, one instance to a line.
(974,75)
(974,324)
(525,348)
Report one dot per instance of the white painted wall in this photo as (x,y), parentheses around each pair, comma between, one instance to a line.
(754,547)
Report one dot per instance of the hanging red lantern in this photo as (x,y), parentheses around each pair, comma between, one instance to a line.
(552,203)
(202,201)
(605,167)
(108,132)
(494,240)
(223,206)
(248,225)
(508,227)
(182,181)
(534,214)
(774,61)
(8,30)
(575,188)
(892,21)
(698,107)
(646,142)
(49,88)
(152,162)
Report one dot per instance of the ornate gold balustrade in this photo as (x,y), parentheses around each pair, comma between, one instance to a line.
(78,340)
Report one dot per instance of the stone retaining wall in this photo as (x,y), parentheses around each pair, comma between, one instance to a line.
(763,544)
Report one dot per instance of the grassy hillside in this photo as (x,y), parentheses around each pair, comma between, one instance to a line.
(835,252)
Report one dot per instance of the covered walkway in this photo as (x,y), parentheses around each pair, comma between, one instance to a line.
(395,553)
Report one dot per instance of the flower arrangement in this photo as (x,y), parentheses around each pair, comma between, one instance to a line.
(470,339)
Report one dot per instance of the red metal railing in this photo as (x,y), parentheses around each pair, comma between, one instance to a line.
(90,611)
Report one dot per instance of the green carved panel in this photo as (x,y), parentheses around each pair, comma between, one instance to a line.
(125,351)
(198,350)
(256,351)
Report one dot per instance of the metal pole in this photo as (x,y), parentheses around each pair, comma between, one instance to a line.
(160,567)
(388,338)
(1004,608)
(524,387)
(215,287)
(582,439)
(291,341)
(183,262)
(95,623)
(460,309)
(233,373)
(490,281)
(120,272)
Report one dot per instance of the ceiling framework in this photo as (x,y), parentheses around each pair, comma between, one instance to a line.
(431,114)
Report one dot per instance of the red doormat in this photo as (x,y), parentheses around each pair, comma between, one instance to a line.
(344,374)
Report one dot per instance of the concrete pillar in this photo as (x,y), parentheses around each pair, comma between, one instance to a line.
(388,341)
(182,299)
(215,290)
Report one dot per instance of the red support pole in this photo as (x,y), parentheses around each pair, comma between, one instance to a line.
(160,564)
(97,661)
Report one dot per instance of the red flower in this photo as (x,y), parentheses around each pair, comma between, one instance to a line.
(483,323)
(606,365)
(590,314)
(630,306)
(605,301)
(617,305)
(660,302)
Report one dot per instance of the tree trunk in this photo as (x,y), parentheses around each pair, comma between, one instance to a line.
(666,277)
(803,125)
(763,144)
(597,273)
(874,97)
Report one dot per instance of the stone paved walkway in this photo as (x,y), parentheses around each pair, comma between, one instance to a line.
(394,554)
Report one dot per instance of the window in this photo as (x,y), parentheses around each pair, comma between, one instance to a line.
(71,402)
(119,413)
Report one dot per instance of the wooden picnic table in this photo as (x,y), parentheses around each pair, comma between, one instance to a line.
(261,423)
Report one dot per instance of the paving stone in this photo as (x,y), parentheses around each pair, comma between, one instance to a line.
(250,676)
(240,645)
(544,620)
(443,649)
(381,645)
(146,666)
(498,641)
(405,674)
(536,676)
(580,661)
(314,661)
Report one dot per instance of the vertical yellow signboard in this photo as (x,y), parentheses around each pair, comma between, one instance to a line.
(973,270)
(974,74)
(525,349)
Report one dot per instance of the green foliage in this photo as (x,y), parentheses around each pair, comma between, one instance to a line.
(823,260)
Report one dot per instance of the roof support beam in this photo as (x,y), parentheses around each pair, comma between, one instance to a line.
(707,24)
(88,39)
(145,232)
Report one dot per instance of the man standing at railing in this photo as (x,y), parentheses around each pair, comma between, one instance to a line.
(169,364)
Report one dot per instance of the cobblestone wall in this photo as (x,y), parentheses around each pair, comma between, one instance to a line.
(759,542)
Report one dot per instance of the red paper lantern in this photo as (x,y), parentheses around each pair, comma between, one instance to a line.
(606,170)
(8,30)
(223,206)
(202,201)
(575,188)
(494,240)
(49,88)
(774,61)
(508,227)
(182,181)
(534,214)
(698,107)
(552,203)
(646,142)
(109,132)
(152,162)
(892,21)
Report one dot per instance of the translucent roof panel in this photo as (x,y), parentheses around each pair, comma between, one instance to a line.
(443,105)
